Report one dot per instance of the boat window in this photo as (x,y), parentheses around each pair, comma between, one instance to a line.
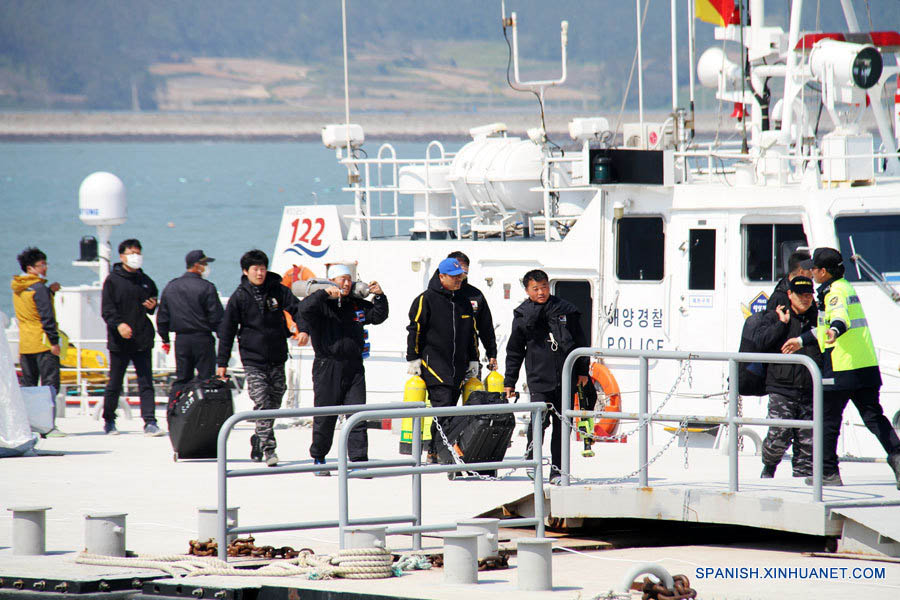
(767,248)
(640,244)
(702,258)
(578,292)
(875,239)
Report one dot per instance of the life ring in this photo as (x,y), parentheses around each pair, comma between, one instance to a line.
(603,377)
(296,273)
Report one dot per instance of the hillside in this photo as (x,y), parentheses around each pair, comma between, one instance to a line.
(285,55)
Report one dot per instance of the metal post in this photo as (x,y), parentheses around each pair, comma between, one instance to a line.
(537,432)
(732,425)
(343,492)
(417,482)
(565,458)
(643,404)
(818,435)
(221,478)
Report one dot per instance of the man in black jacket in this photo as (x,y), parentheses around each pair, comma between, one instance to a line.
(483,319)
(190,307)
(336,324)
(779,294)
(544,330)
(442,344)
(789,386)
(255,313)
(128,297)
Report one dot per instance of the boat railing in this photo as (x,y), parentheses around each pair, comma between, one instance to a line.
(713,154)
(373,468)
(645,417)
(86,375)
(366,185)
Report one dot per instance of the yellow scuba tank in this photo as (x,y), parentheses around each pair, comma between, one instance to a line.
(414,391)
(494,382)
(472,384)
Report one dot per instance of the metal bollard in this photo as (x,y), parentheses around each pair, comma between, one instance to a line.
(365,537)
(486,530)
(29,535)
(104,533)
(534,564)
(207,523)
(460,557)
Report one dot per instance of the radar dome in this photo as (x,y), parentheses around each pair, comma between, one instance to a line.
(101,200)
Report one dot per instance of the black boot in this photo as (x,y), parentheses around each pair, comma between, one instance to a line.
(256,453)
(768,472)
(894,461)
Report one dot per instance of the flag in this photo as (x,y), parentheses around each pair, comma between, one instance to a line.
(717,12)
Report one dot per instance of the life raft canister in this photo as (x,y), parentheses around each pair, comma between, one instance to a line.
(604,380)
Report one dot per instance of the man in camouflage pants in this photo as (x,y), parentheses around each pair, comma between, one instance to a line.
(255,313)
(789,386)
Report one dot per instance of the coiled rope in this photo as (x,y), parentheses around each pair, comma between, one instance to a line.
(357,563)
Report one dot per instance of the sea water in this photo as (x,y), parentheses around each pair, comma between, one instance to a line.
(222,197)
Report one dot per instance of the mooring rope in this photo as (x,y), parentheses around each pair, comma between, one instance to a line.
(357,563)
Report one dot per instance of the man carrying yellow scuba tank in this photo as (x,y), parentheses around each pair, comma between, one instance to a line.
(850,366)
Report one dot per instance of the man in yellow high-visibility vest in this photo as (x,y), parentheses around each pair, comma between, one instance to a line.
(850,366)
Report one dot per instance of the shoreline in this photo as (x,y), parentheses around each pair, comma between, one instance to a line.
(284,127)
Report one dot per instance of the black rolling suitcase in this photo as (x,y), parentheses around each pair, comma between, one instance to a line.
(195,416)
(478,438)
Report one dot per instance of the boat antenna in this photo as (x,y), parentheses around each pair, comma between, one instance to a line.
(512,62)
(691,45)
(744,58)
(640,60)
(346,77)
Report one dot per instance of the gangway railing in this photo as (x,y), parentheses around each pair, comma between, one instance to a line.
(382,469)
(644,417)
(223,474)
(376,468)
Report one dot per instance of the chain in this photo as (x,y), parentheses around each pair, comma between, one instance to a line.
(681,427)
(457,459)
(685,369)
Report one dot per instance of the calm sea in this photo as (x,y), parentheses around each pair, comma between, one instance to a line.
(224,198)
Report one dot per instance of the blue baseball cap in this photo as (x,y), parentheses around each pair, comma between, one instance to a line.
(450,266)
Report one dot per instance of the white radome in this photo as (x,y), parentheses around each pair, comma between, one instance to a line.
(101,200)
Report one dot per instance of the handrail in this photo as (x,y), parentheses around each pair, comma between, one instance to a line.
(644,417)
(222,472)
(417,469)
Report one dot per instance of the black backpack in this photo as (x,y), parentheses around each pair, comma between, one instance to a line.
(751,376)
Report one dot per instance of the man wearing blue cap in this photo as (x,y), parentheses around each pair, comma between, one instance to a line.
(442,344)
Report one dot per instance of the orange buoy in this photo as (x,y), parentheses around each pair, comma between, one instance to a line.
(604,379)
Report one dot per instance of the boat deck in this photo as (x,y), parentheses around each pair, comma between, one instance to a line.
(89,472)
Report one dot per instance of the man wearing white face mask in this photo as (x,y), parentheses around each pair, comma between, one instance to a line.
(129,296)
(191,308)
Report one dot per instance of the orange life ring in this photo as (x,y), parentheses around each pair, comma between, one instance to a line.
(295,273)
(602,376)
